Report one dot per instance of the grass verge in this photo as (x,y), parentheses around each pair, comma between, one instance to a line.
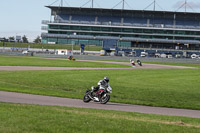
(178,88)
(197,65)
(48,62)
(23,118)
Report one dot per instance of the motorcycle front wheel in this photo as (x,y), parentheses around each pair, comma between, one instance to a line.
(86,98)
(104,99)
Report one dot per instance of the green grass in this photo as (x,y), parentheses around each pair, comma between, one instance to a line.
(178,88)
(51,46)
(21,118)
(197,65)
(27,61)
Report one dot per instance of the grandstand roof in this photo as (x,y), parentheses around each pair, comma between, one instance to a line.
(123,12)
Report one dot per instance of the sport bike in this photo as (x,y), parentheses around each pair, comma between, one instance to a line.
(139,63)
(102,95)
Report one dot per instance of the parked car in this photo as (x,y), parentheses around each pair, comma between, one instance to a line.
(163,56)
(25,52)
(169,56)
(144,54)
(178,56)
(194,56)
(157,55)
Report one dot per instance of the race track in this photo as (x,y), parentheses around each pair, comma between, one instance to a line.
(145,66)
(13,97)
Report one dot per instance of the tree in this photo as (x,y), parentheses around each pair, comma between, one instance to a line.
(12,38)
(24,39)
(37,40)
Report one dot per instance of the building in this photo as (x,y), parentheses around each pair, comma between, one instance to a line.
(131,28)
(64,52)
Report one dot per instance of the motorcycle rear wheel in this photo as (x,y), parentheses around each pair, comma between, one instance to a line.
(105,99)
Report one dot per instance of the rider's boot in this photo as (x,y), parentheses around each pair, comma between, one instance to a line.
(96,97)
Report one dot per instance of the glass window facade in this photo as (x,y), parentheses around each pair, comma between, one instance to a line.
(125,32)
(134,24)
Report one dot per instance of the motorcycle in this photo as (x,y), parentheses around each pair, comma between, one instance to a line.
(139,63)
(71,58)
(102,95)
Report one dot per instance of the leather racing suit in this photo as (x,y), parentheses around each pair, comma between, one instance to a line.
(102,84)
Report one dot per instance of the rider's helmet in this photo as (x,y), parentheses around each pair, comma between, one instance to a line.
(106,79)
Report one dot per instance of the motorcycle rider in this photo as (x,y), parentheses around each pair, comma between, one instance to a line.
(139,62)
(132,62)
(101,84)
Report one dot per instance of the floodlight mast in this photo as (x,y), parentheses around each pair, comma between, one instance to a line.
(185,5)
(92,3)
(61,3)
(154,3)
(123,4)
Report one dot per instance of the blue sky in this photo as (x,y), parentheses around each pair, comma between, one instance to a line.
(23,17)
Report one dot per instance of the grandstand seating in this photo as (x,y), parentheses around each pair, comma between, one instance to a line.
(135,20)
(161,21)
(62,17)
(141,29)
(83,18)
(187,22)
(109,19)
(127,21)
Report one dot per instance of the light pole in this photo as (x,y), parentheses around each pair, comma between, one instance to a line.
(73,43)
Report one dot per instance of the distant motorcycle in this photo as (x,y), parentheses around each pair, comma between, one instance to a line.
(102,95)
(71,58)
(139,62)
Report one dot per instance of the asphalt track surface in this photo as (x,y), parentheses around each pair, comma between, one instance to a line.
(145,66)
(13,97)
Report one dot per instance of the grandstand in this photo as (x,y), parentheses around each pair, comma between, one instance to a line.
(141,29)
